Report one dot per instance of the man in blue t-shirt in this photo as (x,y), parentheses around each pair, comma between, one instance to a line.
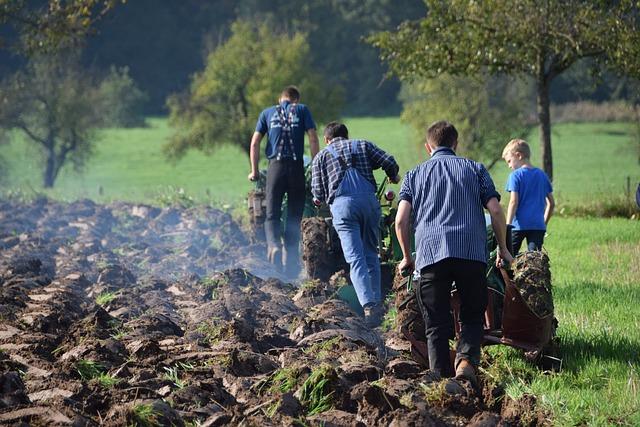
(531,203)
(285,125)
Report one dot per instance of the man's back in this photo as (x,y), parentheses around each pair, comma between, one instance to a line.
(448,194)
(271,122)
(363,155)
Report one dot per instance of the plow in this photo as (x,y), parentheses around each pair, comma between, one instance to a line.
(519,313)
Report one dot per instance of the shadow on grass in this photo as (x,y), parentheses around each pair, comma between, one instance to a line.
(614,132)
(585,296)
(579,350)
(605,340)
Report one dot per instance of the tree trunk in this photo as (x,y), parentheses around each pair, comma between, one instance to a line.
(246,148)
(245,143)
(544,122)
(50,169)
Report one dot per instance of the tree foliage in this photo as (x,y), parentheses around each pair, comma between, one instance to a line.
(121,101)
(163,43)
(57,22)
(487,112)
(537,38)
(58,106)
(243,76)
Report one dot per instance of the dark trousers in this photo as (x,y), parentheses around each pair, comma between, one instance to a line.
(534,239)
(285,176)
(434,292)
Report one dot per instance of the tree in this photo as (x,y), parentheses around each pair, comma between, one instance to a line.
(487,112)
(541,39)
(59,107)
(243,76)
(59,22)
(121,101)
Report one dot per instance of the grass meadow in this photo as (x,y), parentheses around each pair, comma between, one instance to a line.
(595,261)
(591,161)
(595,266)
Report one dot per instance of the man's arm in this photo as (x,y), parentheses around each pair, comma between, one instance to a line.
(380,159)
(499,229)
(314,145)
(403,232)
(513,206)
(254,155)
(551,204)
(317,182)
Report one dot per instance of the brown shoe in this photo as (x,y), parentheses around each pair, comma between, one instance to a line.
(465,371)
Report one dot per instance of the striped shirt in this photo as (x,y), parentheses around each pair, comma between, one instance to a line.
(327,173)
(447,194)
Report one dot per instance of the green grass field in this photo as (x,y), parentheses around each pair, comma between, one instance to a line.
(596,278)
(591,161)
(595,262)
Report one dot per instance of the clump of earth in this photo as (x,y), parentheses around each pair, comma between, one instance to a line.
(127,314)
(532,277)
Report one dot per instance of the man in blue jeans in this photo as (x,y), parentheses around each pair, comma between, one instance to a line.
(443,198)
(342,176)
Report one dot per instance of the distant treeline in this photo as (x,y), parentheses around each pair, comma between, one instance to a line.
(163,42)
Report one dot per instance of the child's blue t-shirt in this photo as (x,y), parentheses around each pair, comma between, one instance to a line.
(532,186)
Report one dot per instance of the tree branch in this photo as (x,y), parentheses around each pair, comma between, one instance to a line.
(23,127)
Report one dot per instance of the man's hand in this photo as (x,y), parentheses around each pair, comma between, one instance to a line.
(406,266)
(253,176)
(395,179)
(503,256)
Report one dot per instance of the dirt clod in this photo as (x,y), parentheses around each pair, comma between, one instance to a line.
(532,277)
(126,314)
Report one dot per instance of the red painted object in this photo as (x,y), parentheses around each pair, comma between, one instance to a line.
(518,326)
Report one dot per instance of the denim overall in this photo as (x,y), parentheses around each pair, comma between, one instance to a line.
(356,217)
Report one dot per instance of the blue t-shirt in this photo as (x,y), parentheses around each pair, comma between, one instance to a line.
(532,186)
(269,123)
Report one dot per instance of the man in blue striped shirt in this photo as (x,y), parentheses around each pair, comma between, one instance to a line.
(445,195)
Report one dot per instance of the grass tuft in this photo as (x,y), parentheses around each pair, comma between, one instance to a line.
(173,374)
(322,350)
(144,416)
(315,394)
(282,380)
(88,369)
(107,381)
(105,298)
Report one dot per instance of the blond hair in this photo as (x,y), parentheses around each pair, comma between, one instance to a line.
(517,146)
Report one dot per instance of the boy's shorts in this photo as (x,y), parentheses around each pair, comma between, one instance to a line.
(534,239)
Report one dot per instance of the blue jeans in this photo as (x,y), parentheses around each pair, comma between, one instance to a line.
(357,221)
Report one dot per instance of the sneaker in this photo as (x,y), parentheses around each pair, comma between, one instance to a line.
(373,314)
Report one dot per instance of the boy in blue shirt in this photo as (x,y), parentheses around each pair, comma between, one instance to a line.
(531,203)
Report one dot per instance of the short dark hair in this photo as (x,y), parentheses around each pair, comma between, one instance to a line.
(336,130)
(442,134)
(291,92)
